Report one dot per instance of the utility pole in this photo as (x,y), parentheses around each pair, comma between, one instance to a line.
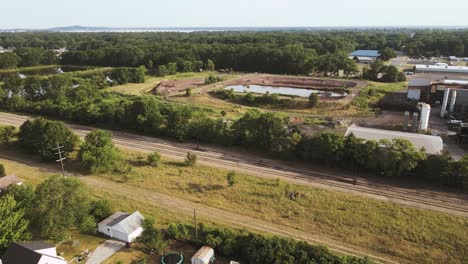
(61,159)
(195,223)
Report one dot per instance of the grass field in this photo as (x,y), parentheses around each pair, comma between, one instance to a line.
(405,233)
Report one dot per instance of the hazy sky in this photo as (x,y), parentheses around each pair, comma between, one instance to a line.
(224,13)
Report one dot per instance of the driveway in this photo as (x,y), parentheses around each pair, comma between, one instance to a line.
(104,251)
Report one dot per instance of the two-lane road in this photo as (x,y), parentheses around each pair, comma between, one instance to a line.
(292,172)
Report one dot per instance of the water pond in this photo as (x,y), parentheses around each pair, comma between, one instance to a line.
(262,89)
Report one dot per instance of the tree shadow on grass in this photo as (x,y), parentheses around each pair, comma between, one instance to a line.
(205,188)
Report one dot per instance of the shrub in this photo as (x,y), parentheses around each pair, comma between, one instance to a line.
(313,100)
(7,133)
(213,79)
(154,159)
(188,92)
(2,170)
(231,178)
(190,159)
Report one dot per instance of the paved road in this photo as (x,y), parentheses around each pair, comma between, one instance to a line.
(104,251)
(453,203)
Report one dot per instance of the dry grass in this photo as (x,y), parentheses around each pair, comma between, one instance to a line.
(405,233)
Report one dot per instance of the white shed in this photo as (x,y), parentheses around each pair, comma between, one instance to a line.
(205,255)
(122,226)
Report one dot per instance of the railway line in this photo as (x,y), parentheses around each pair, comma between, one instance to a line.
(452,203)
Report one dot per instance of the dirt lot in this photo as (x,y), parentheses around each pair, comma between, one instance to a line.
(175,86)
(299,82)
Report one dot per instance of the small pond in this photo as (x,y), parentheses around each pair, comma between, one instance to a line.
(262,89)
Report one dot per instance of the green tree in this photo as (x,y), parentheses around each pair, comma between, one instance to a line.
(210,65)
(172,68)
(313,100)
(154,159)
(8,60)
(100,209)
(162,71)
(7,133)
(151,238)
(231,178)
(190,159)
(387,54)
(41,136)
(61,203)
(13,225)
(98,154)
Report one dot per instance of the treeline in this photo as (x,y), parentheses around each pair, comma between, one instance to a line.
(258,249)
(28,57)
(267,132)
(59,87)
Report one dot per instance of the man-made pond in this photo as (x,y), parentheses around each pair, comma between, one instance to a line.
(262,89)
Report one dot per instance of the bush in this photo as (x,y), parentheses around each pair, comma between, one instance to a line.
(7,133)
(213,79)
(154,159)
(188,92)
(190,159)
(231,178)
(313,100)
(2,170)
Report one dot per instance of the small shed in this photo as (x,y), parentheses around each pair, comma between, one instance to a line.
(122,226)
(205,255)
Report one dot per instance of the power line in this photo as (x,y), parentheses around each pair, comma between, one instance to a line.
(60,152)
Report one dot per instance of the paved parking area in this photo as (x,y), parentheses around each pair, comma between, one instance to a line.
(104,251)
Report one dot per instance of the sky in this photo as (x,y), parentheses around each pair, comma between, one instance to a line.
(234,13)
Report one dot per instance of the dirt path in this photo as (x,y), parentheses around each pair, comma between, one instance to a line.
(453,203)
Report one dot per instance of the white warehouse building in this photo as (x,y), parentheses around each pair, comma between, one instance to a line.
(432,144)
(122,226)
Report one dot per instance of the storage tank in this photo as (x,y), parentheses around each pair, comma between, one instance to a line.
(205,255)
(425,113)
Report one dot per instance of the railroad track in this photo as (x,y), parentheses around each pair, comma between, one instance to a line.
(440,201)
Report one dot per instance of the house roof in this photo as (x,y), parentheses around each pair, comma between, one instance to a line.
(36,245)
(25,252)
(8,180)
(432,144)
(365,58)
(419,82)
(365,53)
(124,222)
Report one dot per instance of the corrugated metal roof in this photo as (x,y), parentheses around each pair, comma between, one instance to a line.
(365,53)
(419,82)
(435,68)
(432,144)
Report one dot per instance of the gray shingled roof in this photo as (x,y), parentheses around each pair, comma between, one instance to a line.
(124,222)
(8,180)
(24,252)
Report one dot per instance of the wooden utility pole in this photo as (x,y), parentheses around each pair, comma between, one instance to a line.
(195,223)
(61,159)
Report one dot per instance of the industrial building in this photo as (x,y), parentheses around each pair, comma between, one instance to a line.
(431,144)
(440,68)
(452,95)
(364,56)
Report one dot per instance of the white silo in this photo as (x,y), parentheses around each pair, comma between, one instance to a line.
(425,113)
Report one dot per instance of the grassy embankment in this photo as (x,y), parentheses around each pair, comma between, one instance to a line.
(407,234)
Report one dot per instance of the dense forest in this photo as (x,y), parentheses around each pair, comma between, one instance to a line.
(290,52)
